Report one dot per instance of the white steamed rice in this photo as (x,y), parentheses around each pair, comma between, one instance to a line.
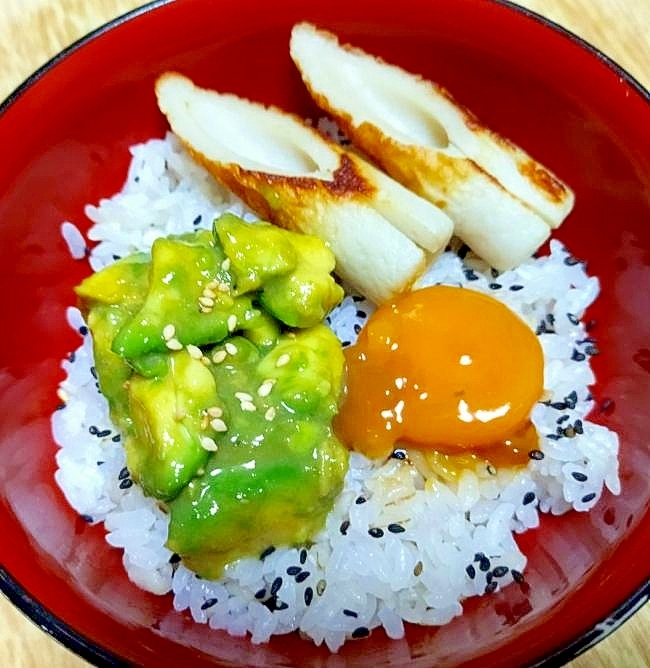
(395,548)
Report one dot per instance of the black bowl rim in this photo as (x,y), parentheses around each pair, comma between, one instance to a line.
(97,655)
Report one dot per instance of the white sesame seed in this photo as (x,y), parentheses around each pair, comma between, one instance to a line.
(169,332)
(232,322)
(205,360)
(174,344)
(206,301)
(270,413)
(225,265)
(218,425)
(248,406)
(205,421)
(223,287)
(194,351)
(219,356)
(209,444)
(204,309)
(231,348)
(283,360)
(215,411)
(207,292)
(212,285)
(265,388)
(243,396)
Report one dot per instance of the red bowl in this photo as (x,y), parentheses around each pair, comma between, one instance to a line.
(65,135)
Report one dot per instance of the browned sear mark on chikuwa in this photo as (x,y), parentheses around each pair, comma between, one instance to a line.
(346,180)
(543,179)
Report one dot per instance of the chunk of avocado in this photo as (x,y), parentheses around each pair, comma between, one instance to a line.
(278,466)
(183,273)
(303,297)
(171,417)
(257,251)
(291,271)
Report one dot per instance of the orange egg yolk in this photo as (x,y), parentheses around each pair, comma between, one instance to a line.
(443,369)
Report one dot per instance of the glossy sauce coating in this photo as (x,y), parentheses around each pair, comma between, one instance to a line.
(443,369)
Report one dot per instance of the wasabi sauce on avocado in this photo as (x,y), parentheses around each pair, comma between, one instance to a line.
(224,384)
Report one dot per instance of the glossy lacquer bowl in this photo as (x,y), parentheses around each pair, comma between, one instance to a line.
(65,136)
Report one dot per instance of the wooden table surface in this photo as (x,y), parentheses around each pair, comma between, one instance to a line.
(31,31)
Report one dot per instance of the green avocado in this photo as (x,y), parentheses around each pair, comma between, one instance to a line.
(278,466)
(165,449)
(224,383)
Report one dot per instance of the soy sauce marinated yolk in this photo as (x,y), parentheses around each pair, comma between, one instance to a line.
(443,369)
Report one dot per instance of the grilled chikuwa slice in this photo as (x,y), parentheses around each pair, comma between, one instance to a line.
(503,203)
(381,234)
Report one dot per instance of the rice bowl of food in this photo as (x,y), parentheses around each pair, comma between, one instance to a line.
(299,407)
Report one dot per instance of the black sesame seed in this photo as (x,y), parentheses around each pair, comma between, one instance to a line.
(116,438)
(93,372)
(281,605)
(357,327)
(588,497)
(516,287)
(308,596)
(376,532)
(471,571)
(577,356)
(126,483)
(360,500)
(83,330)
(396,528)
(399,454)
(72,356)
(517,576)
(275,586)
(197,220)
(484,564)
(495,286)
(360,632)
(117,257)
(491,587)
(541,328)
(303,556)
(302,576)
(87,518)
(350,613)
(361,314)
(529,497)
(569,260)
(344,344)
(562,418)
(470,275)
(494,272)
(571,400)
(550,318)
(489,577)
(572,319)
(580,477)
(357,298)
(558,405)
(175,558)
(293,570)
(345,525)
(93,430)
(577,425)
(269,551)
(462,251)
(500,571)
(260,594)
(124,473)
(536,454)
(554,437)
(209,603)
(103,434)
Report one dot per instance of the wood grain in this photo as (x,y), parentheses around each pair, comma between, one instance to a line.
(32,31)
